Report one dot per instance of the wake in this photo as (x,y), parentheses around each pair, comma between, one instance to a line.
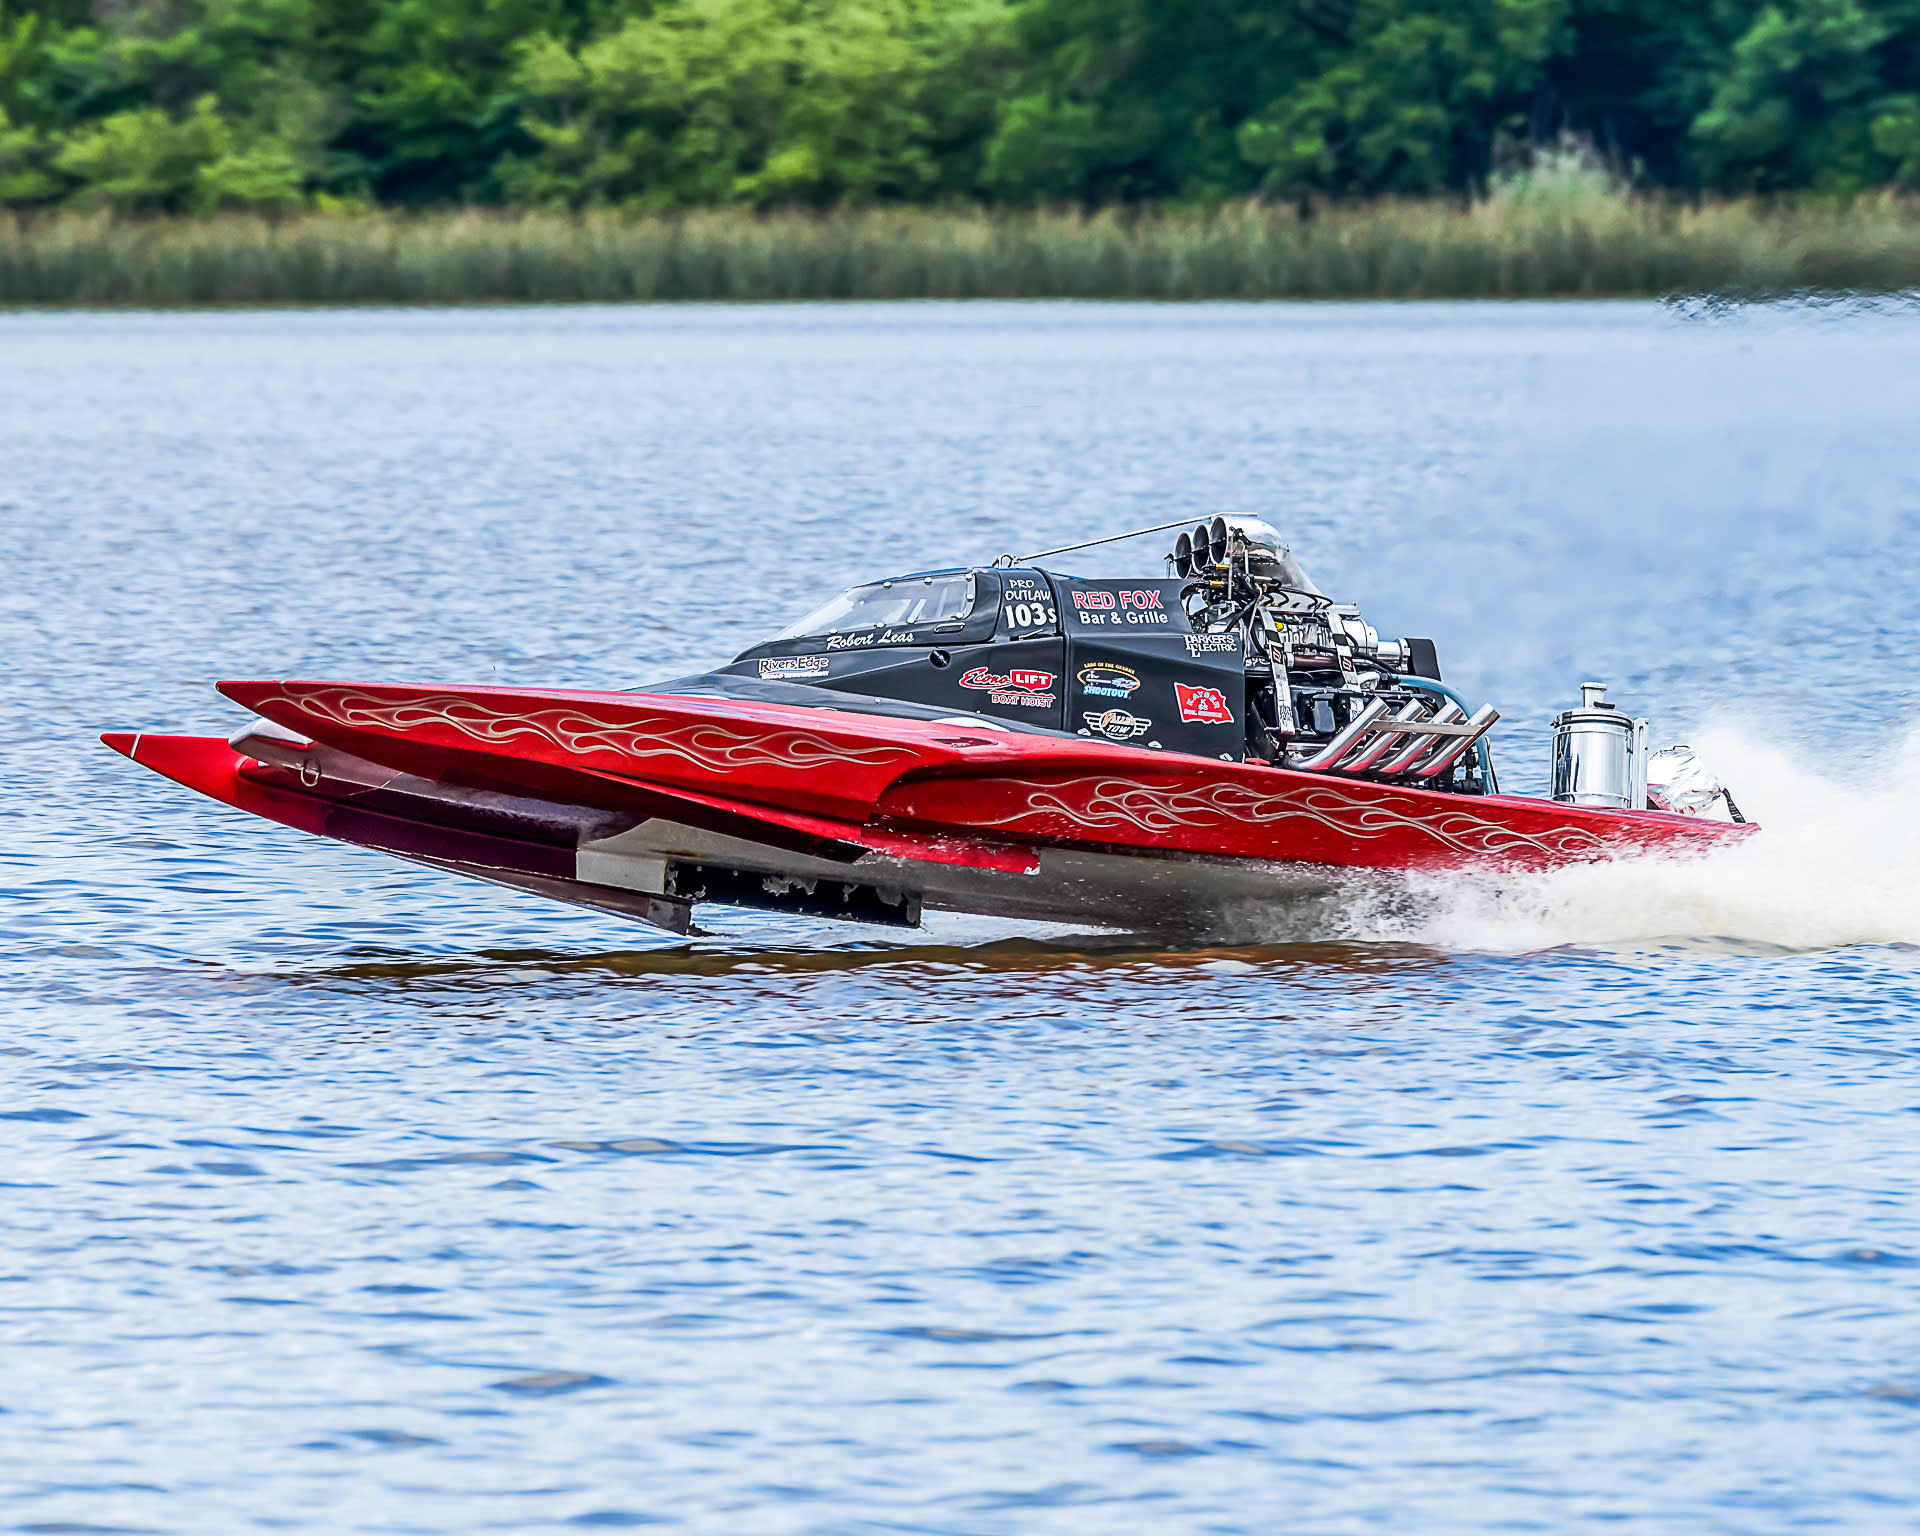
(1837,863)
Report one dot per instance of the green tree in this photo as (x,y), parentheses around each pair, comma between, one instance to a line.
(1413,104)
(143,160)
(25,160)
(1800,99)
(181,105)
(769,101)
(1745,94)
(198,104)
(25,150)
(437,106)
(1121,99)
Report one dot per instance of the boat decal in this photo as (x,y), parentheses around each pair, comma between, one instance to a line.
(1108,679)
(1202,706)
(779,667)
(1117,724)
(703,744)
(986,677)
(1102,803)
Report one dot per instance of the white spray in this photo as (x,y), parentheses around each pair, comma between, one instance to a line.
(1837,862)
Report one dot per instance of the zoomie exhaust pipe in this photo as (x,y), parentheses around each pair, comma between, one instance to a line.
(1439,741)
(1422,745)
(1364,754)
(1450,752)
(1336,749)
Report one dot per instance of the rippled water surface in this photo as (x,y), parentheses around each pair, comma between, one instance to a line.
(344,1196)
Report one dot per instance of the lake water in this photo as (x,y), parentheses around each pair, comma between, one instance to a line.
(344,1196)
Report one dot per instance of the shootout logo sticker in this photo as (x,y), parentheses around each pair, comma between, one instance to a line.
(1118,724)
(1020,686)
(1108,679)
(775,668)
(1202,706)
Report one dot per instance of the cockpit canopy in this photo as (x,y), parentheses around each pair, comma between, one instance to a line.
(943,597)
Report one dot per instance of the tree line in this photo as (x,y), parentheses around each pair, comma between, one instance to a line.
(193,106)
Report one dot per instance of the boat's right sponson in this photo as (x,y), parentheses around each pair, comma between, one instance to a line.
(651,803)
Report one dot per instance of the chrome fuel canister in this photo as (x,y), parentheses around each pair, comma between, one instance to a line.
(1599,754)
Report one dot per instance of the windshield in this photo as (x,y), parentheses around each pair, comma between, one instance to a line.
(906,600)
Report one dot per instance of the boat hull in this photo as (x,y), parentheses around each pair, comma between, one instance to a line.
(648,804)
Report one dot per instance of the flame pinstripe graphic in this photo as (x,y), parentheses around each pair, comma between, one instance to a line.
(1104,803)
(703,744)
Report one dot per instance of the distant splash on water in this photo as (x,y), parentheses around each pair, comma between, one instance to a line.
(1837,863)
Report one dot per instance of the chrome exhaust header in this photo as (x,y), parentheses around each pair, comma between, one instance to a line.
(1336,749)
(1447,754)
(1449,713)
(1372,743)
(1382,740)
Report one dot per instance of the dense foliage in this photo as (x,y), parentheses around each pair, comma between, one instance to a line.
(274,105)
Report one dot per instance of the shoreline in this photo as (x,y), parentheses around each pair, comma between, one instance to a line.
(1587,248)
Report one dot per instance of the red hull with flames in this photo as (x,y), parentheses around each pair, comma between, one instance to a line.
(647,803)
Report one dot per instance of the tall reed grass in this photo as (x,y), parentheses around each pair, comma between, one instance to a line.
(1507,247)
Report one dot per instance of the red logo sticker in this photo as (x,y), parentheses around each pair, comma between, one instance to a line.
(1104,600)
(980,677)
(1203,706)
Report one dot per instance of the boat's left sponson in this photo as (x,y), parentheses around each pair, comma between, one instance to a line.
(647,803)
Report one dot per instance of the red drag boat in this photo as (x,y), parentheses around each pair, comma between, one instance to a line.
(1142,753)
